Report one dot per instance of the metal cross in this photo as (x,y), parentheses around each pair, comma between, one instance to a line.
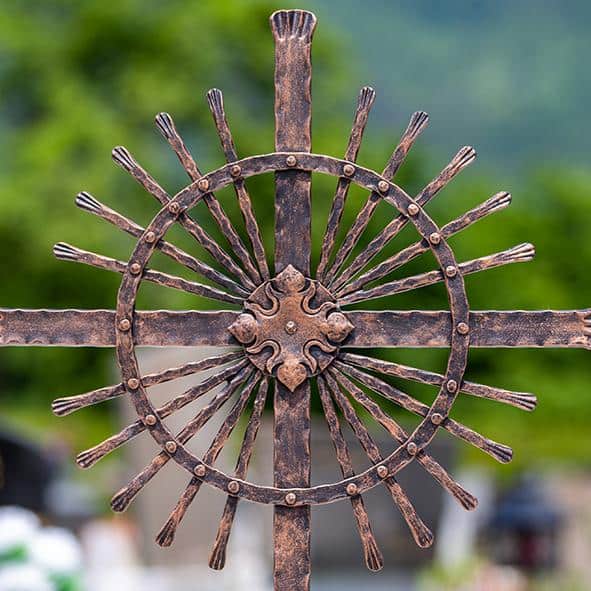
(290,329)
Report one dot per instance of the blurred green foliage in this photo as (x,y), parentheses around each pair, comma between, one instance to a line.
(78,78)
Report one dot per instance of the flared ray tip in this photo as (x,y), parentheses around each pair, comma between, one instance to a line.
(367,96)
(293,24)
(521,253)
(466,155)
(86,201)
(121,500)
(64,406)
(87,459)
(217,559)
(373,557)
(418,122)
(525,401)
(498,201)
(165,125)
(65,252)
(123,158)
(166,535)
(215,100)
(502,453)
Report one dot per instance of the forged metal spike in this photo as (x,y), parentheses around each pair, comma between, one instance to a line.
(373,557)
(89,203)
(521,400)
(365,101)
(421,533)
(498,451)
(521,253)
(66,252)
(433,468)
(91,456)
(495,203)
(463,158)
(216,104)
(166,124)
(123,158)
(417,123)
(65,406)
(121,499)
(166,535)
(167,128)
(217,559)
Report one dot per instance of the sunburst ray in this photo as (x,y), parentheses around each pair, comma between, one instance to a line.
(417,123)
(125,160)
(216,104)
(496,203)
(69,404)
(373,557)
(87,202)
(168,129)
(365,101)
(522,253)
(67,252)
(522,400)
(463,158)
(501,453)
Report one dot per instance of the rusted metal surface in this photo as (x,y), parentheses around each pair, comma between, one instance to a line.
(285,329)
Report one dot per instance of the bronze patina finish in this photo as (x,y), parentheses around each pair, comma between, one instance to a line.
(291,327)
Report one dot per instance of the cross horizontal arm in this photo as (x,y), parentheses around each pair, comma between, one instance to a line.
(96,328)
(544,328)
(161,328)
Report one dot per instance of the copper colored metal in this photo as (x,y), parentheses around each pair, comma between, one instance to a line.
(288,328)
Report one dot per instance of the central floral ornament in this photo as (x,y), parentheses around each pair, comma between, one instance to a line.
(291,327)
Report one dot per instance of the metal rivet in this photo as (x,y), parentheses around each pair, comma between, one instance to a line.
(290,498)
(435,238)
(352,489)
(452,386)
(235,170)
(170,447)
(124,324)
(233,487)
(199,470)
(437,418)
(133,383)
(203,184)
(174,207)
(291,161)
(135,268)
(451,271)
(150,420)
(382,471)
(383,186)
(463,328)
(412,448)
(150,237)
(290,327)
(413,209)
(348,170)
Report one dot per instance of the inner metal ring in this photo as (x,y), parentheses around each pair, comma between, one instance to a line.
(252,166)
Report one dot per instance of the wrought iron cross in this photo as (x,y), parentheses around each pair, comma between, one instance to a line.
(288,328)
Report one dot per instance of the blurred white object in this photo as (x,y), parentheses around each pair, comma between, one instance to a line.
(56,551)
(18,527)
(24,577)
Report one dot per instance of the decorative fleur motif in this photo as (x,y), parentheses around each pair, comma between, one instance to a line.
(291,327)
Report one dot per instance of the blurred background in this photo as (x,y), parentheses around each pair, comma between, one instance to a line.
(510,78)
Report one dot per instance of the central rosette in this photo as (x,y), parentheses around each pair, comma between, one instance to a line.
(291,327)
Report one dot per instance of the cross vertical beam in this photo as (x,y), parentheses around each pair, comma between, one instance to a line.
(292,31)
